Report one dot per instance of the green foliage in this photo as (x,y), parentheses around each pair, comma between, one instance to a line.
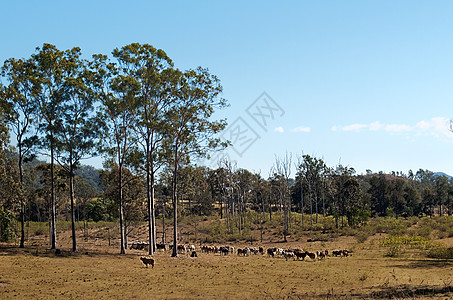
(441,252)
(100,209)
(6,225)
(397,245)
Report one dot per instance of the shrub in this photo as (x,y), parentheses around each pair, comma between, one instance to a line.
(6,224)
(39,231)
(362,236)
(397,245)
(441,253)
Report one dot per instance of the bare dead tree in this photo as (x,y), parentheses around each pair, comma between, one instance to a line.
(283,168)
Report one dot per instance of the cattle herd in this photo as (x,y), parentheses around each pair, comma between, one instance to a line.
(295,254)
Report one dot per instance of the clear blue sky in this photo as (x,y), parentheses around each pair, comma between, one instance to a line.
(367,82)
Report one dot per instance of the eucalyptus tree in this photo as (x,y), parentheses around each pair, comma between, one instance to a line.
(218,185)
(283,171)
(149,68)
(132,193)
(52,67)
(78,131)
(18,96)
(312,170)
(345,192)
(118,93)
(244,187)
(191,131)
(8,176)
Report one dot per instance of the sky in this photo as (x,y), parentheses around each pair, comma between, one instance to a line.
(367,84)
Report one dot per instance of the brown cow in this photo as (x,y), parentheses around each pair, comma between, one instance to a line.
(147,261)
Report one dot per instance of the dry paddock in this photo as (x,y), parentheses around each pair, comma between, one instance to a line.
(366,274)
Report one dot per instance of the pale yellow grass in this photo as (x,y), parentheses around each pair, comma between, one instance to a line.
(110,276)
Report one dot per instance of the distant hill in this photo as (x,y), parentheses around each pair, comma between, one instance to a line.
(91,175)
(438,174)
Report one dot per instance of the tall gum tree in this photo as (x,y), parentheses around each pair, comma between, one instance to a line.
(18,95)
(52,67)
(78,131)
(119,103)
(190,129)
(149,67)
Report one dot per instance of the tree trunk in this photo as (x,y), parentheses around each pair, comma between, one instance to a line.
(150,209)
(71,191)
(175,206)
(153,214)
(53,230)
(163,223)
(311,204)
(120,196)
(221,207)
(22,202)
(302,205)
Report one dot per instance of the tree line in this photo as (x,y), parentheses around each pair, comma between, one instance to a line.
(136,108)
(149,120)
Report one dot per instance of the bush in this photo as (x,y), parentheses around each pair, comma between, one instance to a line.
(441,253)
(6,225)
(40,231)
(397,245)
(362,236)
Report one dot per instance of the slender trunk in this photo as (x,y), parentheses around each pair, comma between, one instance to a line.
(289,207)
(311,204)
(71,191)
(163,223)
(316,206)
(22,202)
(302,204)
(53,230)
(175,206)
(221,207)
(150,210)
(153,214)
(270,204)
(323,201)
(120,198)
(262,218)
(126,233)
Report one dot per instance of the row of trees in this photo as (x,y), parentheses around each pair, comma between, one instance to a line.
(138,110)
(230,193)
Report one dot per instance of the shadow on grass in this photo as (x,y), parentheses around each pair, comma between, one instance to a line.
(395,292)
(425,264)
(42,251)
(407,291)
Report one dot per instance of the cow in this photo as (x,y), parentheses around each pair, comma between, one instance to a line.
(182,248)
(161,246)
(321,254)
(254,250)
(147,261)
(311,255)
(271,251)
(300,254)
(224,250)
(288,253)
(261,250)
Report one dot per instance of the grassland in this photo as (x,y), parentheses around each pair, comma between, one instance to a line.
(98,272)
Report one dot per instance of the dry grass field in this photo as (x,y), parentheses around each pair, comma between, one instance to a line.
(98,272)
